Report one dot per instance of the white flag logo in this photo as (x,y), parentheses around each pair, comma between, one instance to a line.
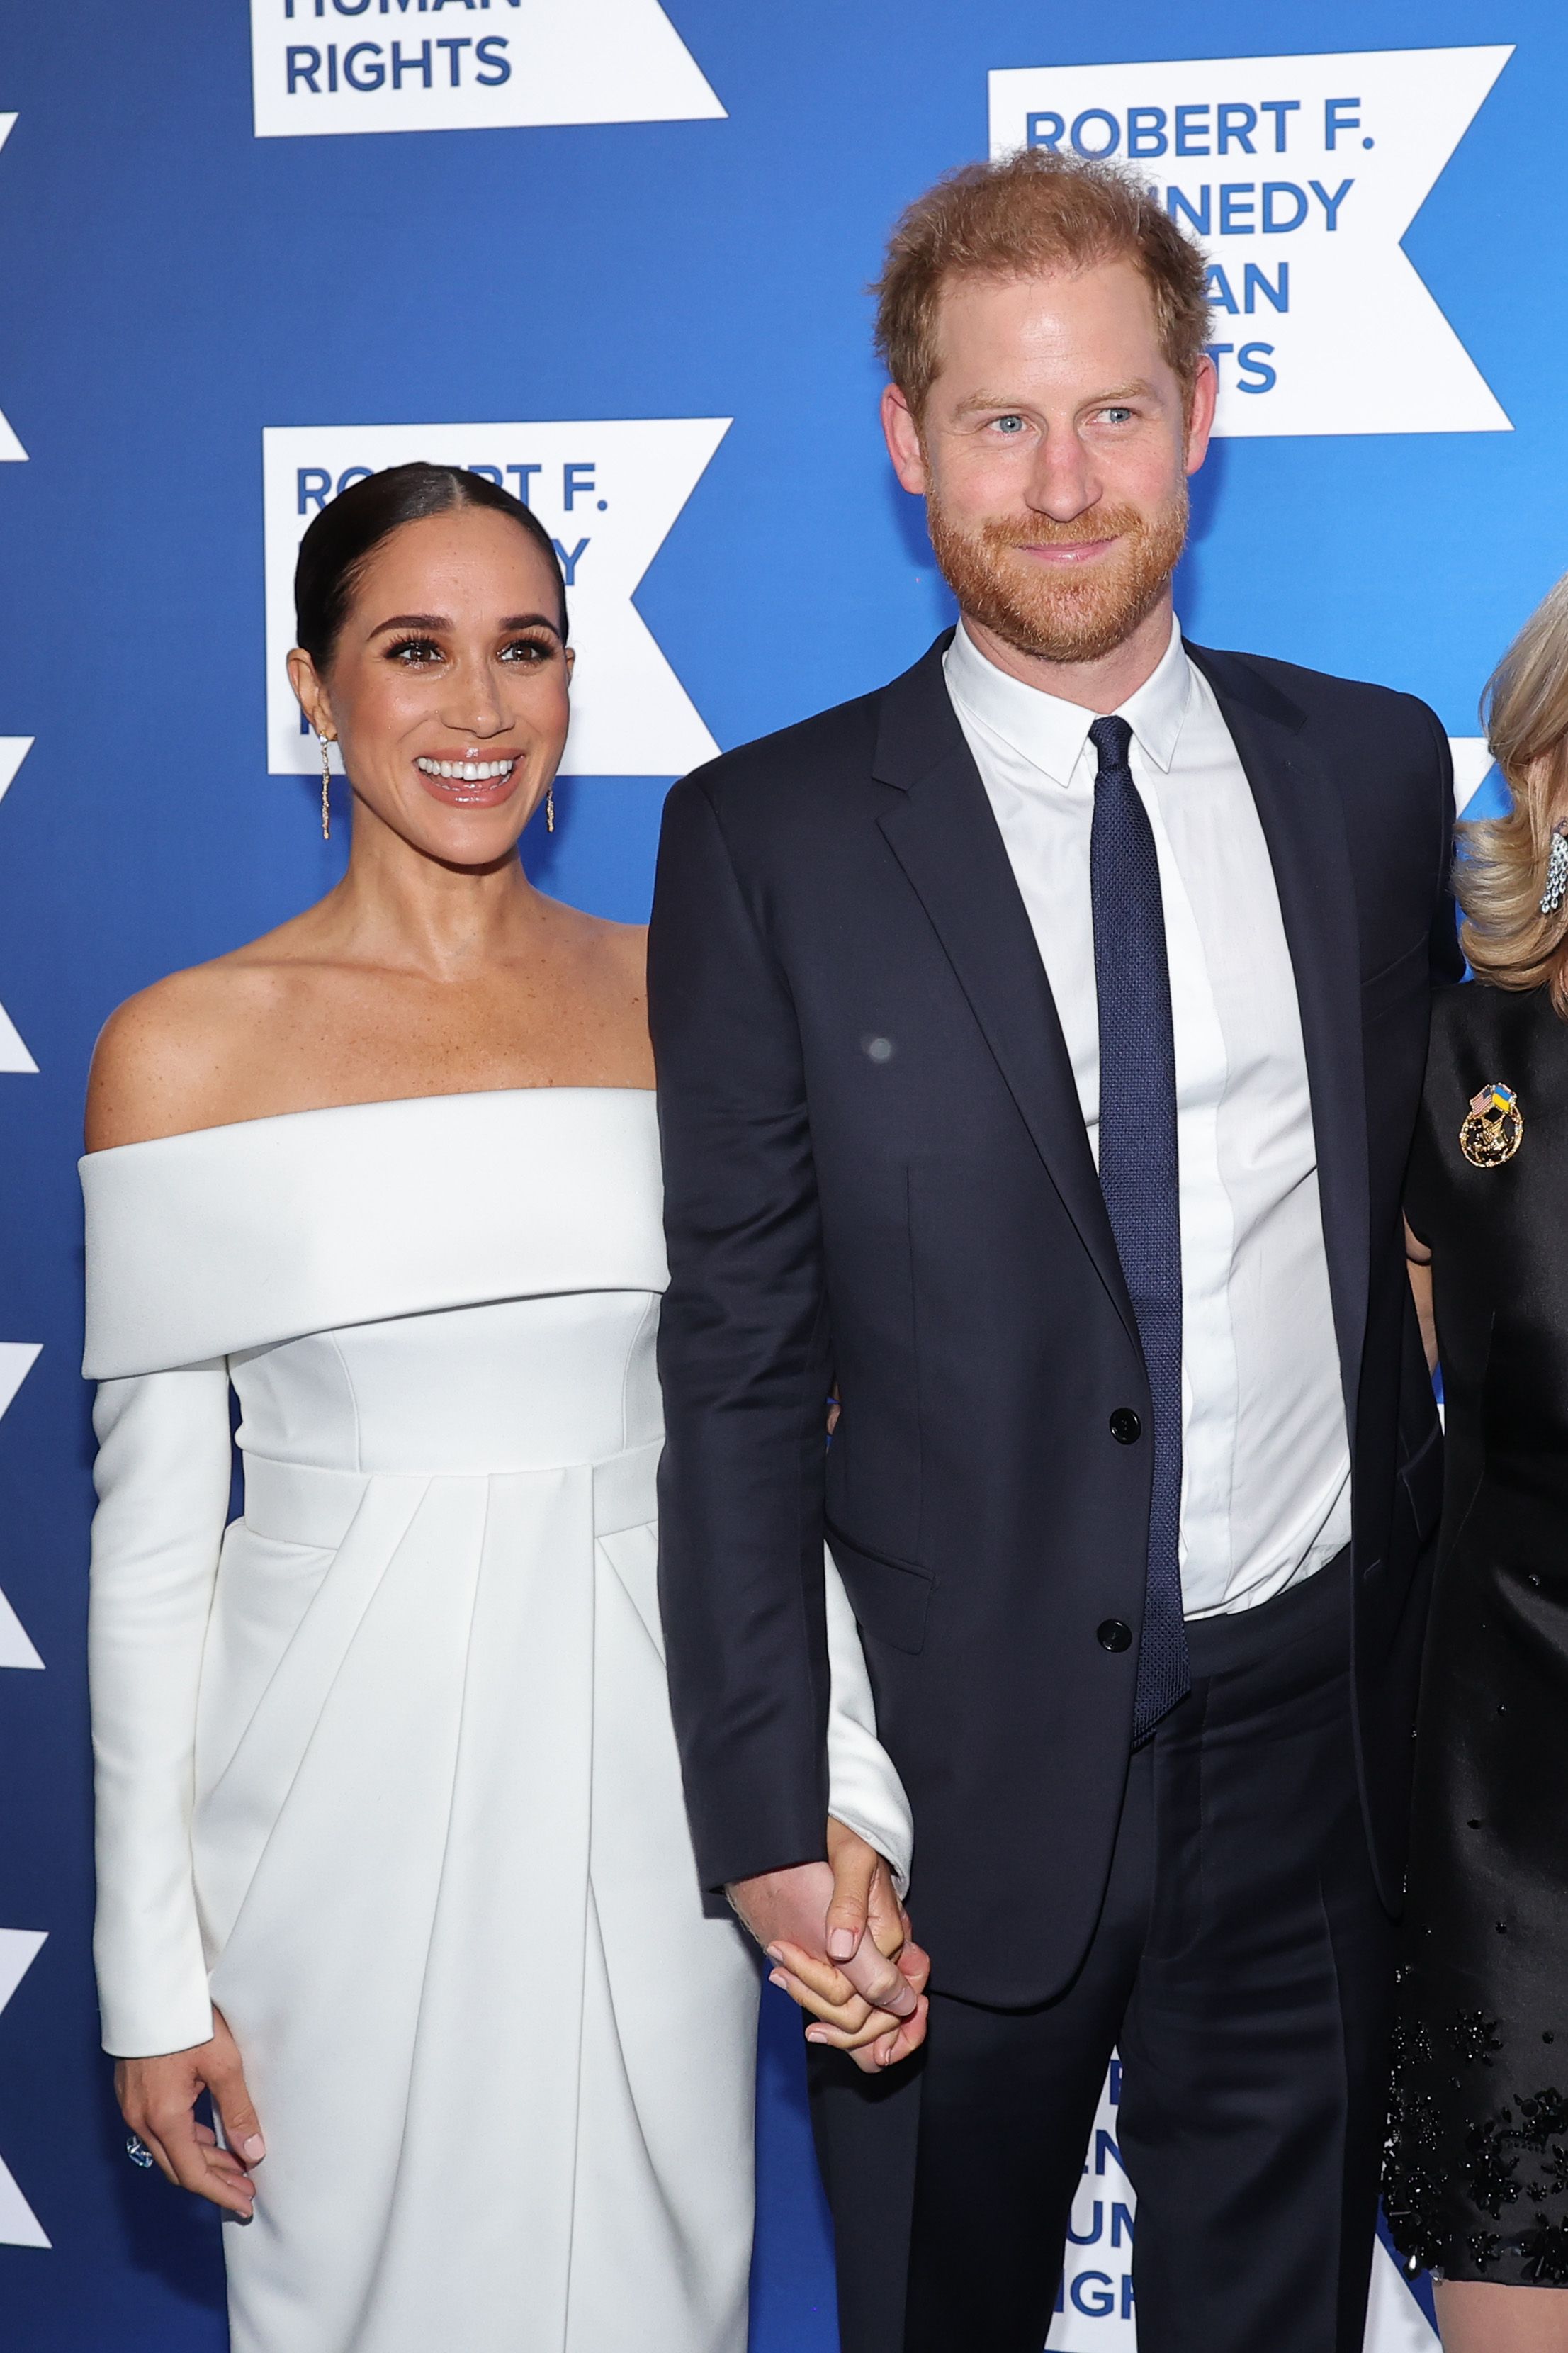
(1299,176)
(1095,2310)
(17,1358)
(10,447)
(19,2226)
(324,66)
(13,1054)
(608,492)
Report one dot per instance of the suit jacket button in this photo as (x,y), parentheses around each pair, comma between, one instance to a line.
(1125,1426)
(1112,1635)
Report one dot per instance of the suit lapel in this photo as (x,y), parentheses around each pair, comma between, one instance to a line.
(1304,827)
(944,836)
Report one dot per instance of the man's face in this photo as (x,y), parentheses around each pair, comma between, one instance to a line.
(1053,453)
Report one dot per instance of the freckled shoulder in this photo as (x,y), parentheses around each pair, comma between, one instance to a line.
(612,1003)
(164,1058)
(629,944)
(617,949)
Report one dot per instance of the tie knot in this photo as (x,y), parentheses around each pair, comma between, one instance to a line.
(1113,740)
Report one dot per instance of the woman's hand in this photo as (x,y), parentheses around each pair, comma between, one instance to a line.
(865,1904)
(157,2098)
(843,2019)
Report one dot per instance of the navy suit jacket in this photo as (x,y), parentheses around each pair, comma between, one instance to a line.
(878,1177)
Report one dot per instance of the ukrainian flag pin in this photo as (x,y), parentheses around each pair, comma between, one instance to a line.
(1493,1129)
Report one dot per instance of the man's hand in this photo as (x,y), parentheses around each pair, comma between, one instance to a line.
(841,1944)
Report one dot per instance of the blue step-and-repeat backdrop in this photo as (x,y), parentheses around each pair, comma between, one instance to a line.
(616,254)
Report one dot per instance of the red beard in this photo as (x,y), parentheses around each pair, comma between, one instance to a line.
(1065,615)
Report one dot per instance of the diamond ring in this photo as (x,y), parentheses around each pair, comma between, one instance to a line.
(138,2151)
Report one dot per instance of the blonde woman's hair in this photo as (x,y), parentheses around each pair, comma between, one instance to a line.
(1500,873)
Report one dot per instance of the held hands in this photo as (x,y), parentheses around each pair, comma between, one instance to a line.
(842,1948)
(157,2098)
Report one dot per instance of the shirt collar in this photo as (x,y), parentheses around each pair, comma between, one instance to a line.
(1050,732)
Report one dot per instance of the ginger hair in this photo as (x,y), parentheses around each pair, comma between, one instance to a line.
(1031,213)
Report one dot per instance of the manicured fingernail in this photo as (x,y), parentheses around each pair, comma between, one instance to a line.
(815,2034)
(774,1953)
(777,1977)
(842,1943)
(254,2149)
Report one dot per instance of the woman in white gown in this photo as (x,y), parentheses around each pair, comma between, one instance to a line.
(392,1856)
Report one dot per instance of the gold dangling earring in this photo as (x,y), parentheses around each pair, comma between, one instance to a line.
(549,806)
(326,742)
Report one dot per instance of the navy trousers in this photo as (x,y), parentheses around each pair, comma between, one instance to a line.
(1242,1964)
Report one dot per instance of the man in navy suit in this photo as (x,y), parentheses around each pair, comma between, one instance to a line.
(1039,1041)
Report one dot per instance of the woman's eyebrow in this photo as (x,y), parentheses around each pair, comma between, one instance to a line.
(412,621)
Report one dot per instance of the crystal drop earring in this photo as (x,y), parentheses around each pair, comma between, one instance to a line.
(549,807)
(1556,873)
(325,741)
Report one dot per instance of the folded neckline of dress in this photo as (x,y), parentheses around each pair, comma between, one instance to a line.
(336,1111)
(223,1238)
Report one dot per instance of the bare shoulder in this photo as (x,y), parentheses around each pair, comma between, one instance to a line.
(596,1025)
(166,1059)
(617,951)
(619,964)
(625,944)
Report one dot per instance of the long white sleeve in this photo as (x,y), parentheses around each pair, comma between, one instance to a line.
(162,1479)
(864,1791)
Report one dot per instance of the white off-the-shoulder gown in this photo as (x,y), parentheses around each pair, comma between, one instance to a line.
(385,1769)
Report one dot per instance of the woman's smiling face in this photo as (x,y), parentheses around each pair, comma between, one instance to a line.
(449,684)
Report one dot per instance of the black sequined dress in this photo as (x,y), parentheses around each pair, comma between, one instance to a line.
(1476,2182)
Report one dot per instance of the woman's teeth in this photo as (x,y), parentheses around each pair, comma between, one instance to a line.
(468,772)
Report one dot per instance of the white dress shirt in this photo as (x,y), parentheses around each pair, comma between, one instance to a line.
(1266,1493)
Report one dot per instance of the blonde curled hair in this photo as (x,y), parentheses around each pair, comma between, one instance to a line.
(1500,874)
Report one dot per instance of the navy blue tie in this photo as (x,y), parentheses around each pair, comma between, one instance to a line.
(1138,1175)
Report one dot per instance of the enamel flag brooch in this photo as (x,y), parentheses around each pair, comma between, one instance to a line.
(1493,1128)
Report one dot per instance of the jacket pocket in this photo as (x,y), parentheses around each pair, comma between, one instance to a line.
(890,1598)
(1396,983)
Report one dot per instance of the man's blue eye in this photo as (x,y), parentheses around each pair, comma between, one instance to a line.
(1009,424)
